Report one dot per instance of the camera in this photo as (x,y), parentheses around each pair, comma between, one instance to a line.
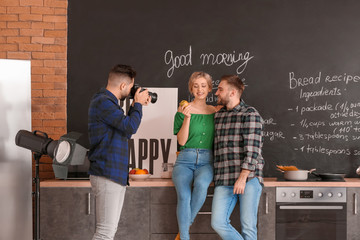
(135,88)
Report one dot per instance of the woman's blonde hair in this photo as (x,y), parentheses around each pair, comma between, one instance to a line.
(197,75)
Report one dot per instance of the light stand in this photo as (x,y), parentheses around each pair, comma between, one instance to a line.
(36,195)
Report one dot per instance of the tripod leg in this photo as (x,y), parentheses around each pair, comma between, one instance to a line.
(37,197)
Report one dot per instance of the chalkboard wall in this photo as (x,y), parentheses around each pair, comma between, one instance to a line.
(300,61)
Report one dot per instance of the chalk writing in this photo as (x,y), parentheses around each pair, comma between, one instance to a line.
(340,123)
(339,117)
(272,135)
(343,78)
(306,124)
(314,108)
(239,59)
(295,82)
(227,59)
(301,82)
(347,113)
(269,121)
(325,150)
(177,61)
(323,136)
(320,93)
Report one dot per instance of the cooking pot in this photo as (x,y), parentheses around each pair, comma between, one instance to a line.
(297,175)
(330,176)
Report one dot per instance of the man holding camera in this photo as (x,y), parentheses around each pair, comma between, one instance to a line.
(109,131)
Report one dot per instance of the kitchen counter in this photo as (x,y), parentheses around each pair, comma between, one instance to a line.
(151,182)
(159,182)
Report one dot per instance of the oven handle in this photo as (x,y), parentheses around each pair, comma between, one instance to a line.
(89,204)
(355,204)
(266,204)
(312,207)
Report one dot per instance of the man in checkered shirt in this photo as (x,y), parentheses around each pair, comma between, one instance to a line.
(238,162)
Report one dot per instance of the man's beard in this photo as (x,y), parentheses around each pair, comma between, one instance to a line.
(221,101)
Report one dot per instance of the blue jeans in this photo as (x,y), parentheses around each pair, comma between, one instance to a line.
(192,175)
(223,205)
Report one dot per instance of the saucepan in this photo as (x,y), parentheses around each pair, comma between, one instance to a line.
(330,176)
(358,171)
(297,175)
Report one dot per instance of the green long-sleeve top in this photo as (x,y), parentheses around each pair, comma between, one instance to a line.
(201,130)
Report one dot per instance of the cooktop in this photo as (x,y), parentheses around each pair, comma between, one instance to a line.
(310,180)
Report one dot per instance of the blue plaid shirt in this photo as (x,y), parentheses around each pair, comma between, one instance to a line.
(238,144)
(109,131)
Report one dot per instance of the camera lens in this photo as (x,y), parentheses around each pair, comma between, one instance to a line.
(153,97)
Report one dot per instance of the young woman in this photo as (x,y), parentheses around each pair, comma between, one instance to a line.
(193,170)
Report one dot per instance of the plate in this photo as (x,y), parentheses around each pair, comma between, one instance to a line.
(139,177)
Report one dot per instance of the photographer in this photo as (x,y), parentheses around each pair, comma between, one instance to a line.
(109,131)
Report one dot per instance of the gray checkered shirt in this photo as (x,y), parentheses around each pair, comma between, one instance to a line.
(238,143)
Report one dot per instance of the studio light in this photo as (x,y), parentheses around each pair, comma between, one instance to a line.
(64,151)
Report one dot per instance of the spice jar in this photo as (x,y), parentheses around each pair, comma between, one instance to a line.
(167,170)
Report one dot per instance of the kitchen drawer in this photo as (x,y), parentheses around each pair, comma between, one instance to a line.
(135,216)
(163,195)
(167,195)
(163,220)
(163,213)
(192,236)
(67,213)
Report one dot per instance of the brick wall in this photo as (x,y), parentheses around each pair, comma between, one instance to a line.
(36,30)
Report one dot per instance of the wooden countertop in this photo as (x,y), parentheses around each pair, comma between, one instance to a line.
(159,182)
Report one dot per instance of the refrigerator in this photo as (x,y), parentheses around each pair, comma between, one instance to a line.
(15,162)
